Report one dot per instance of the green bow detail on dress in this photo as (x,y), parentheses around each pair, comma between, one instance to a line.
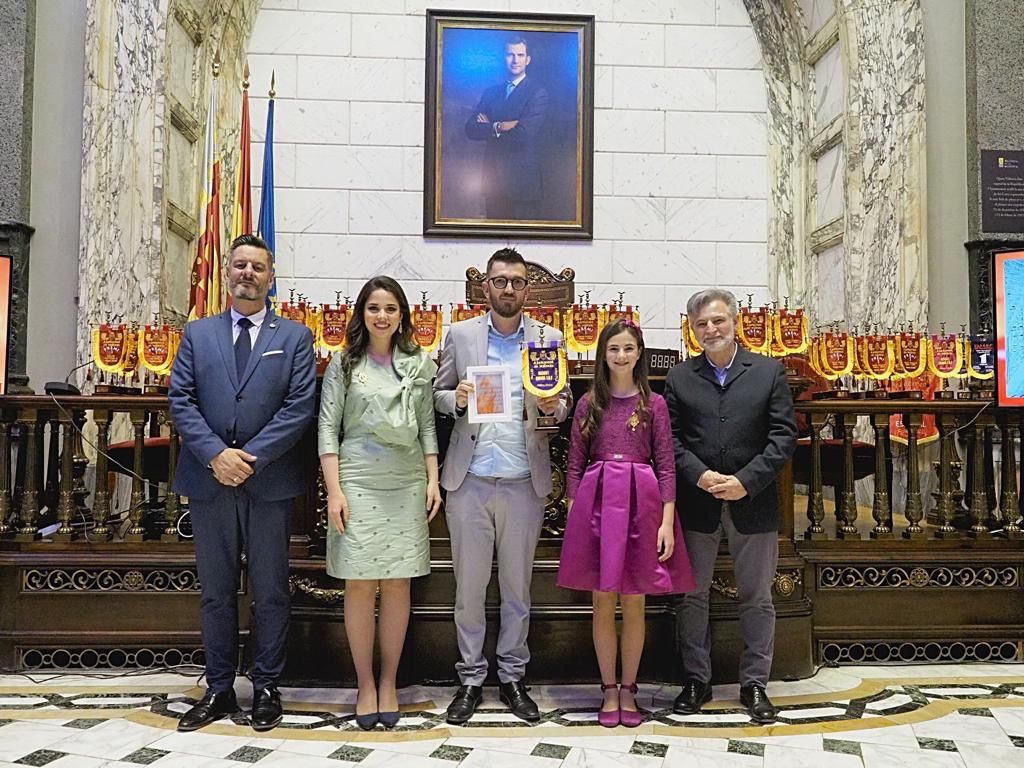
(391,414)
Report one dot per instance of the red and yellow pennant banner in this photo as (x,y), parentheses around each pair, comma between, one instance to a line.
(791,332)
(876,357)
(157,348)
(623,313)
(910,353)
(426,325)
(946,356)
(547,315)
(333,326)
(462,312)
(754,329)
(835,355)
(582,327)
(112,348)
(693,347)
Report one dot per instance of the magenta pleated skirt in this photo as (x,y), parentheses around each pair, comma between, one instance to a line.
(611,536)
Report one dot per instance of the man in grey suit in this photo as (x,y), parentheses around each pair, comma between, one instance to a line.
(734,429)
(497,476)
(241,396)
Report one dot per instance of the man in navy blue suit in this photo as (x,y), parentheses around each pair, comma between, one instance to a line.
(510,118)
(242,396)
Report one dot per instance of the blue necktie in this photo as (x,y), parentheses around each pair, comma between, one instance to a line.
(509,87)
(243,346)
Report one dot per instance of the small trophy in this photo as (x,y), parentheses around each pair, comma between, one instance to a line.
(544,374)
(427,323)
(583,324)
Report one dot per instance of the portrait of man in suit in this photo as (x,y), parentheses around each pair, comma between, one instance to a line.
(509,128)
(510,118)
(242,396)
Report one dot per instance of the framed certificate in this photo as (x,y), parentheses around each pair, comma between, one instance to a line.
(492,394)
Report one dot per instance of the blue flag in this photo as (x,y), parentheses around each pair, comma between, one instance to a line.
(265,226)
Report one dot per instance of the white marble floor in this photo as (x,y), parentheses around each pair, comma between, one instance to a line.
(966,716)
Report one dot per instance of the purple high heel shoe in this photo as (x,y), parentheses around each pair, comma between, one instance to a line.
(628,717)
(608,719)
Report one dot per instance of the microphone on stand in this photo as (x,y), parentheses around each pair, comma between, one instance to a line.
(65,388)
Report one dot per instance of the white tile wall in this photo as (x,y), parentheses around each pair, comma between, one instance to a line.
(680,160)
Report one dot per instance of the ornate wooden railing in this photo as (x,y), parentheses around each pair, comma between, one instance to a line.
(975,422)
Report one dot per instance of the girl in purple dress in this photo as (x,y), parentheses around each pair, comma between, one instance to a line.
(621,535)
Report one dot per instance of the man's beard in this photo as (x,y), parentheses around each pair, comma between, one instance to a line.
(506,312)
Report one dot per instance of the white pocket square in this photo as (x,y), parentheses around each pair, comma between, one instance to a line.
(273,352)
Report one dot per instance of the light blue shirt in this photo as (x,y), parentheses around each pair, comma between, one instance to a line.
(721,373)
(501,446)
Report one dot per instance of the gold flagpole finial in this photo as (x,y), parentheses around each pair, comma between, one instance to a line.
(273,81)
(245,76)
(216,63)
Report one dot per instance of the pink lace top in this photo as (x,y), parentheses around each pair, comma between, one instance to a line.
(651,439)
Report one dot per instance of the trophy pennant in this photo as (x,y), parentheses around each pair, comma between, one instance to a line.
(157,349)
(462,312)
(791,332)
(981,355)
(754,329)
(945,356)
(582,327)
(623,313)
(690,343)
(426,325)
(547,315)
(110,348)
(876,358)
(910,354)
(333,326)
(544,368)
(836,355)
(296,312)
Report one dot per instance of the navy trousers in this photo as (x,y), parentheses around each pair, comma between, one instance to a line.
(223,528)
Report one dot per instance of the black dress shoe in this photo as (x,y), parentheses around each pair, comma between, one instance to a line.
(694,695)
(213,706)
(266,709)
(515,697)
(757,703)
(464,704)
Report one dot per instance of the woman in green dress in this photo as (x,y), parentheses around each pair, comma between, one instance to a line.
(378,450)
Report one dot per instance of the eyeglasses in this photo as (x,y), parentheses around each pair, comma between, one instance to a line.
(500,282)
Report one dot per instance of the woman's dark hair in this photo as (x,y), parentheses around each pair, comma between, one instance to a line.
(600,388)
(357,337)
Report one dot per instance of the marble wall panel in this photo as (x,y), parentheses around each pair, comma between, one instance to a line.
(664,263)
(715,133)
(631,45)
(658,88)
(664,175)
(402,37)
(717,48)
(319,166)
(284,165)
(388,124)
(731,13)
(830,177)
(316,210)
(374,212)
(666,11)
(829,86)
(741,264)
(340,79)
(816,13)
(352,6)
(301,121)
(740,90)
(629,218)
(743,177)
(716,220)
(629,130)
(308,34)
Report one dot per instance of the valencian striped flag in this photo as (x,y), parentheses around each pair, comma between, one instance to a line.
(265,226)
(241,219)
(205,292)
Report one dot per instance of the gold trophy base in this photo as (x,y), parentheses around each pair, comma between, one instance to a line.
(945,394)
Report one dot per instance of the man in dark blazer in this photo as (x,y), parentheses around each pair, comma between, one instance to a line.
(734,429)
(241,397)
(510,118)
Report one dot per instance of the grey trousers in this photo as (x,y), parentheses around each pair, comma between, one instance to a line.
(755,557)
(484,515)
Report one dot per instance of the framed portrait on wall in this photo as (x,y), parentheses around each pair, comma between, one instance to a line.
(509,125)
